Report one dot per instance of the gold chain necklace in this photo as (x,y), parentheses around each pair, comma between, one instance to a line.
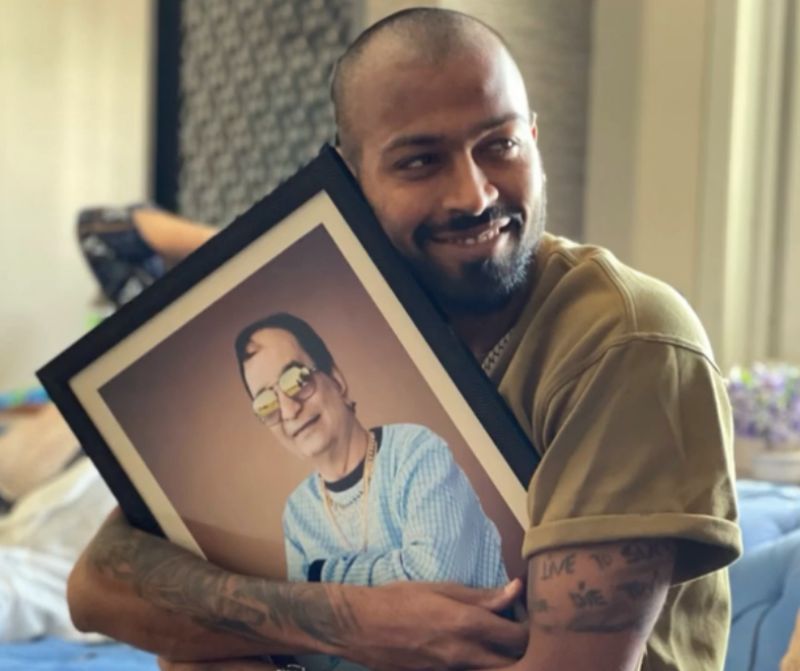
(369,465)
(492,358)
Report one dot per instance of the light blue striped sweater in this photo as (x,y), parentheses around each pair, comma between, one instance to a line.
(425,521)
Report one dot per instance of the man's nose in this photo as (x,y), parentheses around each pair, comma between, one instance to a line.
(289,406)
(469,190)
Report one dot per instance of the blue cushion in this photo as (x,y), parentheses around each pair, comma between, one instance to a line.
(766,511)
(765,585)
(765,582)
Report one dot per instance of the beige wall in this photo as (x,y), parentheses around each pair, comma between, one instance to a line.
(788,333)
(74,130)
(689,165)
(644,150)
(659,139)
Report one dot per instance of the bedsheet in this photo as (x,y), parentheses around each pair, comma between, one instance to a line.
(40,539)
(54,654)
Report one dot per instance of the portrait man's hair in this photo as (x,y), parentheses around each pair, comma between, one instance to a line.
(305,335)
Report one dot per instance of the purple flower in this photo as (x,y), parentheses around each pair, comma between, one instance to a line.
(765,400)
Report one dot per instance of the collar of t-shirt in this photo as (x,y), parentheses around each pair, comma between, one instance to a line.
(354,476)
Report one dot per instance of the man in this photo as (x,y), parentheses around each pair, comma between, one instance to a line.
(384,504)
(632,507)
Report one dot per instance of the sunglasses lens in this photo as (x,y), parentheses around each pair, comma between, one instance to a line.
(297,382)
(266,406)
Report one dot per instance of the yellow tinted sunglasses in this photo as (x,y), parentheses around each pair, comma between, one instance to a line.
(296,382)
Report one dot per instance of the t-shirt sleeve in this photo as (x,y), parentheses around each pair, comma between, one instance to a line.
(638,444)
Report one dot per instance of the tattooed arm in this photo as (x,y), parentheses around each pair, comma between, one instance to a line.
(593,607)
(145,591)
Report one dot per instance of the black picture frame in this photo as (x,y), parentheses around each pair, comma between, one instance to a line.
(75,378)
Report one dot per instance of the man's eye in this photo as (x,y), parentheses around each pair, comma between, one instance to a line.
(503,146)
(416,162)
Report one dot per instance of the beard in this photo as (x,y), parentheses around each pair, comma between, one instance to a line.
(486,285)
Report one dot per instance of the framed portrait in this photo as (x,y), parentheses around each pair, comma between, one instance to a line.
(214,403)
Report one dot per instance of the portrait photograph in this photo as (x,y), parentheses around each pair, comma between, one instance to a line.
(284,417)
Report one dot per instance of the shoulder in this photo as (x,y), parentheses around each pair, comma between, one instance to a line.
(304,497)
(407,433)
(585,301)
(586,304)
(411,442)
(595,292)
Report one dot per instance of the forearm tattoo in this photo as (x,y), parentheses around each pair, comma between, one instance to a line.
(261,610)
(605,588)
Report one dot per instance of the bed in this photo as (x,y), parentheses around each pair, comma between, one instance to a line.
(40,538)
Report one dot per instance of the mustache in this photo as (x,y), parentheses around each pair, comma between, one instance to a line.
(463,222)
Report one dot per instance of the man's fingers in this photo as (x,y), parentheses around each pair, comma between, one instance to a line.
(494,598)
(505,636)
(498,600)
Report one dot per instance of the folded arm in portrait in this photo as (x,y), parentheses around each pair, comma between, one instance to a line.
(148,592)
(412,516)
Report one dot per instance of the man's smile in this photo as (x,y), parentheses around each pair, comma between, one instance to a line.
(307,425)
(475,234)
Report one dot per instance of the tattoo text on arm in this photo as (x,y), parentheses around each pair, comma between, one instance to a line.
(604,588)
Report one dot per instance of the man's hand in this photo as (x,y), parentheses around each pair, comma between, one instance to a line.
(152,594)
(408,625)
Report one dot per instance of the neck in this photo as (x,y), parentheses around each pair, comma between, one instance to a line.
(480,332)
(346,456)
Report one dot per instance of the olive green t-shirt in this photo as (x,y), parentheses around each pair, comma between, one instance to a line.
(612,376)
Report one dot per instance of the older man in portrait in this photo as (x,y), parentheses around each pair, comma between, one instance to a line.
(383,504)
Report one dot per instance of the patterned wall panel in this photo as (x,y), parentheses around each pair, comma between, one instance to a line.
(254,96)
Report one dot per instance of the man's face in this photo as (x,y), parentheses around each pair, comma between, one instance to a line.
(310,427)
(447,158)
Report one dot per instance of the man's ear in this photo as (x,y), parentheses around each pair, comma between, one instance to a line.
(343,156)
(338,378)
(534,127)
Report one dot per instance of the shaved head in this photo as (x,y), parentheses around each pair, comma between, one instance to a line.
(423,35)
(434,120)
